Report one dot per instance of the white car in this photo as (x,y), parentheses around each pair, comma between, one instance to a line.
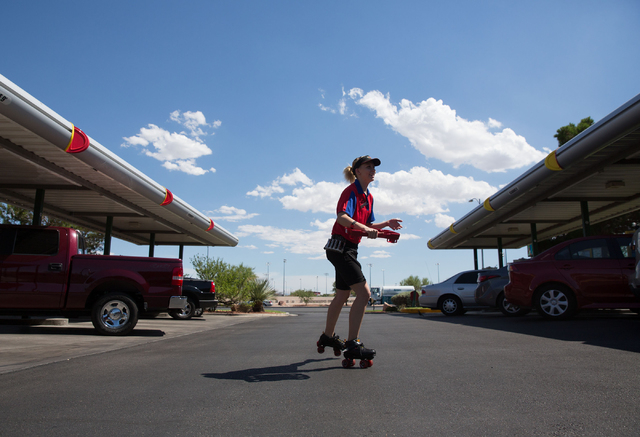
(267,303)
(452,296)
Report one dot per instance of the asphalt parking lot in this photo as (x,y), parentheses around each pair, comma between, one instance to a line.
(475,375)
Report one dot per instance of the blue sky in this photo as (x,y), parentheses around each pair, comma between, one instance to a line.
(249,110)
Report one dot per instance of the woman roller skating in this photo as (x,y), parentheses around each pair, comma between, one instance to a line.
(354,212)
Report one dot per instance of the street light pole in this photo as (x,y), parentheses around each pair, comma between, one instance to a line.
(481,250)
(370,274)
(284,265)
(438,264)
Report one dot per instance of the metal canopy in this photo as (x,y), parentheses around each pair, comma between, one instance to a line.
(84,183)
(598,171)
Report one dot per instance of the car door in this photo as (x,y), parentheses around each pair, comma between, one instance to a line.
(465,287)
(593,270)
(32,273)
(627,261)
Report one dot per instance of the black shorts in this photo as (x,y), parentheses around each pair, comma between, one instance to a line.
(348,269)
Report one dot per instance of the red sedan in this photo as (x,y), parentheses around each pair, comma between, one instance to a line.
(588,272)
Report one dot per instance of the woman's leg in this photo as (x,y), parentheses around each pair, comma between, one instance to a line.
(359,306)
(334,310)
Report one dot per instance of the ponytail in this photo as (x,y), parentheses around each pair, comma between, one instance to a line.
(348,174)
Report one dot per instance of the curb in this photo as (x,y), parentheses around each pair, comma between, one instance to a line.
(33,321)
(418,310)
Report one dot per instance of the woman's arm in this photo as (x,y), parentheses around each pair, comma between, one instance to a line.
(345,220)
(393,224)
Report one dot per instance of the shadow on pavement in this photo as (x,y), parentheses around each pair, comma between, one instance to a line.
(610,329)
(66,330)
(288,372)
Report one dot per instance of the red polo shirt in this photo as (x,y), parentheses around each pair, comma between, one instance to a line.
(358,205)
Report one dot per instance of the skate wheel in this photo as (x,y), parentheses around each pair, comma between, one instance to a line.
(337,352)
(370,363)
(346,363)
(364,364)
(320,348)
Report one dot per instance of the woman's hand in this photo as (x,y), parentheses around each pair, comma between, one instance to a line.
(395,224)
(371,233)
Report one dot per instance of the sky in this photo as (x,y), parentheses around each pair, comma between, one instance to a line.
(250,110)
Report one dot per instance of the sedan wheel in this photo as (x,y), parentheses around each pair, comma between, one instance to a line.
(555,302)
(509,309)
(451,306)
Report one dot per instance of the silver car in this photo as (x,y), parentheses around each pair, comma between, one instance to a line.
(490,292)
(454,296)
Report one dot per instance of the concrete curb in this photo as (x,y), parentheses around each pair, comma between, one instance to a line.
(17,320)
(418,310)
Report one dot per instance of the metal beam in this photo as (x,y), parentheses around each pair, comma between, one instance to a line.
(107,236)
(38,206)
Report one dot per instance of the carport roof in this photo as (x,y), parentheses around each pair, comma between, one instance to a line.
(601,167)
(85,183)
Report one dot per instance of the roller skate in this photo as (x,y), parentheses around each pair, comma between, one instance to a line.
(332,342)
(356,350)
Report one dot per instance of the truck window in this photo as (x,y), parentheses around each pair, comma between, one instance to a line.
(81,250)
(36,242)
(7,237)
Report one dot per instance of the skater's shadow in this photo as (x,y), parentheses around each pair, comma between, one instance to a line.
(288,372)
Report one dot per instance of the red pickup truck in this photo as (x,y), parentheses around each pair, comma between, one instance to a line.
(44,271)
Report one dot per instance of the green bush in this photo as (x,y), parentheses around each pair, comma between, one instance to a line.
(244,307)
(401,300)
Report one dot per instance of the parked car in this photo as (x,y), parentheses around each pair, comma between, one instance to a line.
(454,296)
(267,303)
(587,272)
(201,294)
(44,271)
(490,292)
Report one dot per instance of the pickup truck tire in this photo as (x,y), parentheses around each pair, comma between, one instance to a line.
(114,314)
(555,301)
(187,313)
(451,306)
(508,309)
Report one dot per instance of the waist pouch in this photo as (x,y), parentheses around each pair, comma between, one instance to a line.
(336,243)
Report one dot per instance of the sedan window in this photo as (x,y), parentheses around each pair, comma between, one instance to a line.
(624,243)
(468,278)
(590,249)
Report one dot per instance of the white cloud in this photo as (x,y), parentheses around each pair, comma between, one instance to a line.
(443,221)
(232,214)
(380,254)
(311,242)
(178,151)
(187,166)
(298,241)
(417,192)
(436,131)
(292,179)
(326,109)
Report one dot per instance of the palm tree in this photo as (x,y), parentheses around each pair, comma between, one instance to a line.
(259,291)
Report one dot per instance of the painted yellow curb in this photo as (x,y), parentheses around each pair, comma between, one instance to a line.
(418,310)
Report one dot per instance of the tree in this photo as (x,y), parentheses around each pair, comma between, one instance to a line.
(232,282)
(415,282)
(14,215)
(259,291)
(305,296)
(565,133)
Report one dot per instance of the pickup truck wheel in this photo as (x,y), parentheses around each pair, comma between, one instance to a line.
(451,306)
(198,312)
(187,313)
(509,309)
(555,302)
(114,314)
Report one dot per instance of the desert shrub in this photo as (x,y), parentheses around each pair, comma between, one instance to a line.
(401,300)
(259,290)
(244,307)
